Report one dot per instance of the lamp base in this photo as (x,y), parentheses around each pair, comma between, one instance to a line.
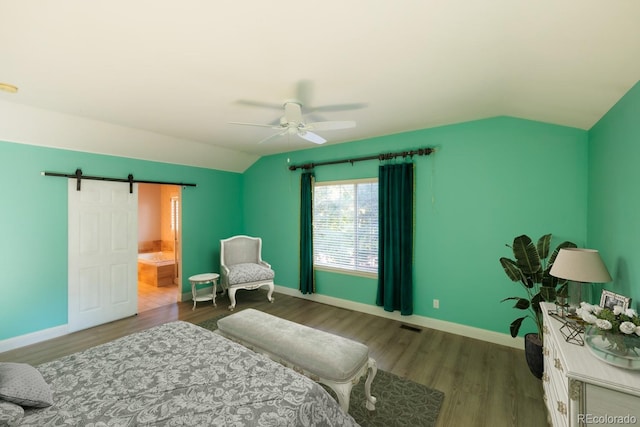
(575,290)
(562,307)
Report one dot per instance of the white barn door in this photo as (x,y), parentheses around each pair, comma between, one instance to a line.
(103,250)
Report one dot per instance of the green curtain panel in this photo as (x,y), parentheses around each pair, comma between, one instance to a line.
(307,279)
(395,245)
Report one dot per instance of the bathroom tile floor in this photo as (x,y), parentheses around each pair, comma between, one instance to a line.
(150,297)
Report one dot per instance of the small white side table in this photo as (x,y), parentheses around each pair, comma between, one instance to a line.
(201,279)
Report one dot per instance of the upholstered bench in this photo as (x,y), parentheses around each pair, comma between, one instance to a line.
(329,359)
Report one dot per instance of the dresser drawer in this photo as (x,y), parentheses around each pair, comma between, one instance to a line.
(609,407)
(556,404)
(581,390)
(555,384)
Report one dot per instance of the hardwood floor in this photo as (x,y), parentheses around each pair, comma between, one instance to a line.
(484,384)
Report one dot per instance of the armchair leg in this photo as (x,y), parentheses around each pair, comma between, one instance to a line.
(269,297)
(232,298)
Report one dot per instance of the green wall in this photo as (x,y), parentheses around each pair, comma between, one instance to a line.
(614,199)
(489,181)
(33,246)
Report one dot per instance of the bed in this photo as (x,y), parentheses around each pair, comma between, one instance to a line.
(178,374)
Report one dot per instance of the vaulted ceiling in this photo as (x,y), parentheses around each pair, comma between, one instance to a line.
(162,79)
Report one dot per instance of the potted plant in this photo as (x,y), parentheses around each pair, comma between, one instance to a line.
(531,269)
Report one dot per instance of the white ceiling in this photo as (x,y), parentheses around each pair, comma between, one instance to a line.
(172,73)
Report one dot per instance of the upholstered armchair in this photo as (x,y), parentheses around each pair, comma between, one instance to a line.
(242,267)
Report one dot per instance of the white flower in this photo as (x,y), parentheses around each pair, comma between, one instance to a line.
(586,307)
(617,310)
(603,324)
(597,309)
(588,317)
(630,312)
(638,330)
(627,328)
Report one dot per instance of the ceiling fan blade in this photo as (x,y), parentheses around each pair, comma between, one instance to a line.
(338,107)
(331,125)
(305,92)
(313,117)
(261,104)
(312,137)
(255,124)
(292,112)
(270,137)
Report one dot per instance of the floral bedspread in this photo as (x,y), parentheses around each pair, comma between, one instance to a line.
(180,374)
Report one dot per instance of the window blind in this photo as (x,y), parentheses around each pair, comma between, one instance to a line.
(345,225)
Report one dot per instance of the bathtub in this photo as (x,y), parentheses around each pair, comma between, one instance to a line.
(156,268)
(157,258)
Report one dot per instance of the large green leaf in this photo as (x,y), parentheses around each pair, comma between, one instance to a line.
(514,328)
(548,293)
(544,243)
(535,303)
(529,282)
(511,268)
(526,255)
(521,303)
(548,279)
(562,245)
(537,277)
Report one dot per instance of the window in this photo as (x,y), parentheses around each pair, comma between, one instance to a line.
(345,225)
(175,213)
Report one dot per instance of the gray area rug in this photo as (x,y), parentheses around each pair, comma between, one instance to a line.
(400,402)
(212,324)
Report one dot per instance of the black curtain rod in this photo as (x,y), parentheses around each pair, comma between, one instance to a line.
(79,176)
(384,156)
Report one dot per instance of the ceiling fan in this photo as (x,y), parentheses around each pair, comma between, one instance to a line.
(292,123)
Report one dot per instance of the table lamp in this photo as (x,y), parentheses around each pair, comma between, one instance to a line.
(580,266)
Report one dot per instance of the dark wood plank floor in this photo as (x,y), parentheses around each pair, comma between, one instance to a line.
(484,384)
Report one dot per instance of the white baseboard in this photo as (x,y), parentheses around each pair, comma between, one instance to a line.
(185,296)
(58,331)
(427,322)
(32,338)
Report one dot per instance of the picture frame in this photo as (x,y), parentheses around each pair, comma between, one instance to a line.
(609,300)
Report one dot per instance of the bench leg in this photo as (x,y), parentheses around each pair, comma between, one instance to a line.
(373,370)
(343,392)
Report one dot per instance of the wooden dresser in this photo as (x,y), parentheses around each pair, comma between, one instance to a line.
(582,390)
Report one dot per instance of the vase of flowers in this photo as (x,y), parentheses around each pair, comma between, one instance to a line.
(612,334)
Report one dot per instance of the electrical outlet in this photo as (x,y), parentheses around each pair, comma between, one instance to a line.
(436,303)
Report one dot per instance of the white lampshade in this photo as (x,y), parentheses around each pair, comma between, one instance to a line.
(580,265)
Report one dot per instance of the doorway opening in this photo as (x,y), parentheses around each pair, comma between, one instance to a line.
(159,245)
